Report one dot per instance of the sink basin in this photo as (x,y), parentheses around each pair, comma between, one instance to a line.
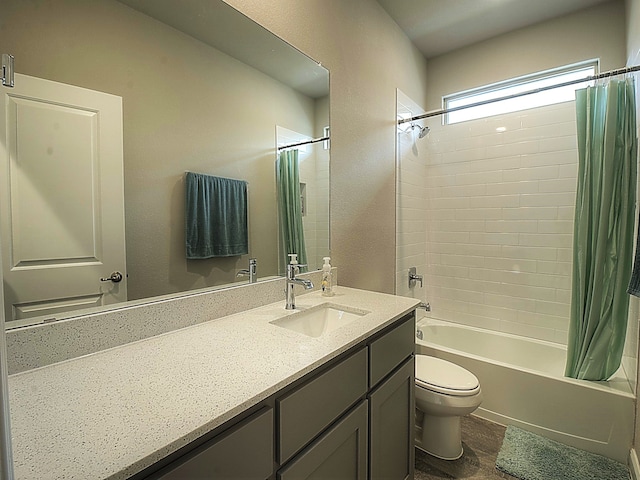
(321,319)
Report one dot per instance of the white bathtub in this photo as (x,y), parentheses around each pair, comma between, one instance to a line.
(523,384)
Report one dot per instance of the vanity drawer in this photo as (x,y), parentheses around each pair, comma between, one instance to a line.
(308,410)
(390,350)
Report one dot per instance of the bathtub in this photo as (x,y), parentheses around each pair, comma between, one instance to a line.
(523,385)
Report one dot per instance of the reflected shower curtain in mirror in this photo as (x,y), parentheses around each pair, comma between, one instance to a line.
(290,205)
(603,229)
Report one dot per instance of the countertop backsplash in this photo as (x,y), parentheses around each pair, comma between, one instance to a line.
(39,345)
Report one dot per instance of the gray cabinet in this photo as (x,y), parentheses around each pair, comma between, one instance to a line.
(340,453)
(351,419)
(383,371)
(391,349)
(391,426)
(391,399)
(308,410)
(245,451)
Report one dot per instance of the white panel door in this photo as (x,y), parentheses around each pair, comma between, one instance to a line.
(61,199)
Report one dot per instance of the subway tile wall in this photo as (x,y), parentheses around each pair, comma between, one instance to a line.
(500,195)
(486,216)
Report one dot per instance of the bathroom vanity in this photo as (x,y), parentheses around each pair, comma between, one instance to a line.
(235,397)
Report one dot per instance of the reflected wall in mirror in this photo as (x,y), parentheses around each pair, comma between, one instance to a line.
(188,105)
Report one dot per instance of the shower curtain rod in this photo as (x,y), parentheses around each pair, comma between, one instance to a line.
(306,142)
(435,113)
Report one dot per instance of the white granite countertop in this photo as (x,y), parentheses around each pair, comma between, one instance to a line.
(111,414)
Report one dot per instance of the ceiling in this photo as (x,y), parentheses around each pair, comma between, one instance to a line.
(434,26)
(440,26)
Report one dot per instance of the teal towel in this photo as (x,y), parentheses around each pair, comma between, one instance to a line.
(215,216)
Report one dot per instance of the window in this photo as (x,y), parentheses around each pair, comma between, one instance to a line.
(518,85)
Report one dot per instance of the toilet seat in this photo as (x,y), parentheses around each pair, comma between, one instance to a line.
(444,377)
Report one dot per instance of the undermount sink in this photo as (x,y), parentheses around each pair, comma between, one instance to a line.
(321,319)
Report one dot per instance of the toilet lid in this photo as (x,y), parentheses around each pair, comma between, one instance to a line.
(445,377)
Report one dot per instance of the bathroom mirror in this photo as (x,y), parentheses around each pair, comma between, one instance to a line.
(203,89)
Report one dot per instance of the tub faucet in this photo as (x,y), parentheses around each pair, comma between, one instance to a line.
(251,272)
(292,281)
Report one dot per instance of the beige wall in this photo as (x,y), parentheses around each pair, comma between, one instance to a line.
(186,106)
(368,57)
(561,41)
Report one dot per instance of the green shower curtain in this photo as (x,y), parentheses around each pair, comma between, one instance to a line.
(603,229)
(290,205)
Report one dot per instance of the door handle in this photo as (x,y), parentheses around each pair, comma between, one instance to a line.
(115,278)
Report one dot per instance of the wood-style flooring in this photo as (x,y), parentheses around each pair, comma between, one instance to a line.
(481,441)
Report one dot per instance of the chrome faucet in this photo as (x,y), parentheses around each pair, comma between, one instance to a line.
(425,305)
(292,281)
(251,272)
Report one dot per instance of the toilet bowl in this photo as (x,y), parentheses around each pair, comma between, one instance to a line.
(444,393)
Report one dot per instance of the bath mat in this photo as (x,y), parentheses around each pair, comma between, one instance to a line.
(528,456)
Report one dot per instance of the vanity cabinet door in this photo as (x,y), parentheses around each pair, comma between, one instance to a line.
(245,451)
(307,411)
(340,453)
(391,425)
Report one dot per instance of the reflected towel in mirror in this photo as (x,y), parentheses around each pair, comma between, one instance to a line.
(215,216)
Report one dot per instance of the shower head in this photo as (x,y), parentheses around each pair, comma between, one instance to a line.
(423,130)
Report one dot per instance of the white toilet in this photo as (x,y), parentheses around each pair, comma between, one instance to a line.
(444,393)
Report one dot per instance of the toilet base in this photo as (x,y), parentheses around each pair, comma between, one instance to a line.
(440,437)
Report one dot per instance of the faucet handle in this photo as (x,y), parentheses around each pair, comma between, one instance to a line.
(414,277)
(291,269)
(293,266)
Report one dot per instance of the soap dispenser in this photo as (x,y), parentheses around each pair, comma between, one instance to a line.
(327,278)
